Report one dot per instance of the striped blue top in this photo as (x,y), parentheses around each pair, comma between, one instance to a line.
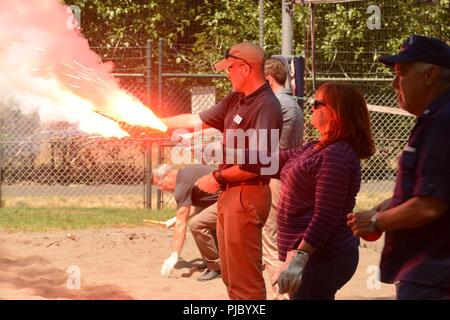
(318,190)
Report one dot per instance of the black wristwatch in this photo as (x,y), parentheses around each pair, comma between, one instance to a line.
(217,174)
(374,223)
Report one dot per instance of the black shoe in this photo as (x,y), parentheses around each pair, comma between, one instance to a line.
(209,275)
(202,265)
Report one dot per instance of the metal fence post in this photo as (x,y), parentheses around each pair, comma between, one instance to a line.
(148,144)
(287,33)
(148,174)
(1,174)
(261,23)
(160,76)
(159,192)
(313,45)
(299,65)
(148,69)
(3,138)
(160,94)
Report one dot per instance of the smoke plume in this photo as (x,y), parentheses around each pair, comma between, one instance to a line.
(46,66)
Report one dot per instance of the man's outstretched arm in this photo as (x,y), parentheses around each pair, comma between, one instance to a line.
(185,121)
(179,237)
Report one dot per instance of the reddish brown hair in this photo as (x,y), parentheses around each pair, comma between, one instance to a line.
(349,118)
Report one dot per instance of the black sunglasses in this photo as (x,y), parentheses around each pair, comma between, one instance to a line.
(317,104)
(229,55)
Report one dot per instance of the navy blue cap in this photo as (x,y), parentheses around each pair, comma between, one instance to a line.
(421,48)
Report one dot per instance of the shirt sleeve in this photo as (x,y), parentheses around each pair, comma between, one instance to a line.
(270,120)
(215,116)
(285,155)
(332,185)
(183,191)
(256,168)
(433,163)
(282,156)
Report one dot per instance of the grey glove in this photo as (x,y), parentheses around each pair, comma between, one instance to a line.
(291,278)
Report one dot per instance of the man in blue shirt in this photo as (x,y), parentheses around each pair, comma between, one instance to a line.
(416,220)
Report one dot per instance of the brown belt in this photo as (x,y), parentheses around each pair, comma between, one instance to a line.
(245,183)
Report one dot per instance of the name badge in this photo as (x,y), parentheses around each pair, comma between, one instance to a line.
(410,149)
(237,119)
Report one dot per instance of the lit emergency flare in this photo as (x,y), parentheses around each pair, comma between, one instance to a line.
(124,107)
(133,130)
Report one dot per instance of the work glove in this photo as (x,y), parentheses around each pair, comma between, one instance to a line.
(289,256)
(171,222)
(290,278)
(169,264)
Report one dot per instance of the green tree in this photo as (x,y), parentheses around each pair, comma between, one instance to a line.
(344,43)
(132,22)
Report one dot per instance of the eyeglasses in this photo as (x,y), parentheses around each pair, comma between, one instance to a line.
(316,104)
(227,70)
(229,55)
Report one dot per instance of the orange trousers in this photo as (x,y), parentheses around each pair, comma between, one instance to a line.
(242,213)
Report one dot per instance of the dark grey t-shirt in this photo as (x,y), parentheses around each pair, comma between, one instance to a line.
(259,110)
(186,193)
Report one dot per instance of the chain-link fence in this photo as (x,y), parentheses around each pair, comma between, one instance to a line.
(52,165)
(57,165)
(342,42)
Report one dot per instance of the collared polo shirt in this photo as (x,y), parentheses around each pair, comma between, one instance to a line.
(422,255)
(259,110)
(187,193)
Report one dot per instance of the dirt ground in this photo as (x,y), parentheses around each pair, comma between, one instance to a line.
(125,264)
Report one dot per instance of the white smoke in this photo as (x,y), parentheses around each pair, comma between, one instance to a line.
(47,67)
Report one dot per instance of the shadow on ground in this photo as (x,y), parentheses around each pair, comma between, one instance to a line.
(193,266)
(36,274)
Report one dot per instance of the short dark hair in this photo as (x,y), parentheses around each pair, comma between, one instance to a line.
(276,69)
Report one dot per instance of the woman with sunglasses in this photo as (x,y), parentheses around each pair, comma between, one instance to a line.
(319,184)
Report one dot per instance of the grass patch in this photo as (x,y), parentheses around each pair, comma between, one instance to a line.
(49,219)
(37,214)
(96,201)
